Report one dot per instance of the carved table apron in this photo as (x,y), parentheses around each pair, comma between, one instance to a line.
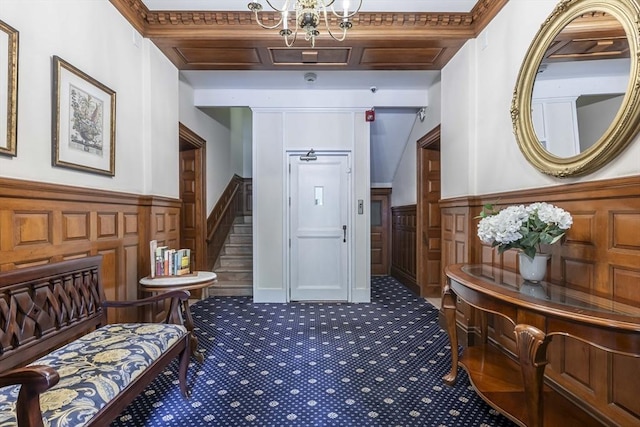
(537,317)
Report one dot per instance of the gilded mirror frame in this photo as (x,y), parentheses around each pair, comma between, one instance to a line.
(9,114)
(626,122)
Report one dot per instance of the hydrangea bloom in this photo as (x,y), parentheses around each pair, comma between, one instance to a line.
(523,227)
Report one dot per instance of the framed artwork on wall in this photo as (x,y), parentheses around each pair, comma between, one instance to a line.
(84,121)
(8,89)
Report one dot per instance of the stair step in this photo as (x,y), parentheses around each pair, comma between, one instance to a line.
(241,238)
(236,249)
(234,274)
(242,228)
(233,284)
(236,261)
(232,288)
(234,265)
(243,219)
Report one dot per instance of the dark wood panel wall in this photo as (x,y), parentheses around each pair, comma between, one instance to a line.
(403,246)
(43,223)
(601,252)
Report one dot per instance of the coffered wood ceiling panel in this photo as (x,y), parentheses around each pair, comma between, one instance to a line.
(232,40)
(591,36)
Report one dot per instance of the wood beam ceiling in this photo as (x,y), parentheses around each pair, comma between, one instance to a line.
(225,40)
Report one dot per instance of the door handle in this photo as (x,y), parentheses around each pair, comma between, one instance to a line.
(344,232)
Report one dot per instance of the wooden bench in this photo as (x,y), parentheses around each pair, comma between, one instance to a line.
(83,371)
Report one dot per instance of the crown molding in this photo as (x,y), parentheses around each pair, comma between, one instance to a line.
(149,22)
(208,40)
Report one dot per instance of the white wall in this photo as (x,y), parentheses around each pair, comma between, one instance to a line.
(302,119)
(277,131)
(594,119)
(458,106)
(479,151)
(247,143)
(102,44)
(218,144)
(241,141)
(404,190)
(163,125)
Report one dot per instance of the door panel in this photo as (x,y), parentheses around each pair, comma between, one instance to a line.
(188,231)
(318,211)
(429,272)
(380,231)
(192,186)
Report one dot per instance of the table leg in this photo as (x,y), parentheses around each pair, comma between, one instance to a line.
(449,309)
(484,327)
(532,344)
(193,340)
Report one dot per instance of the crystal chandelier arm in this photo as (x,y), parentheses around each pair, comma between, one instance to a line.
(256,7)
(346,15)
(268,27)
(308,14)
(288,42)
(284,8)
(345,25)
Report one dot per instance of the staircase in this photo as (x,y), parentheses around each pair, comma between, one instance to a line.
(234,266)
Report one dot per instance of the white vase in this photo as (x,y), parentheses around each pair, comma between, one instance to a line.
(533,289)
(533,269)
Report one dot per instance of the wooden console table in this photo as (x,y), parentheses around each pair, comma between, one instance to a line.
(197,280)
(538,312)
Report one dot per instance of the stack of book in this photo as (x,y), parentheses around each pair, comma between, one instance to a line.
(169,262)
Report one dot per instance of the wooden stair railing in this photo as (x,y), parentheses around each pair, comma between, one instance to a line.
(222,216)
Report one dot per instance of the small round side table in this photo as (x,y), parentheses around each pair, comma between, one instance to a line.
(197,280)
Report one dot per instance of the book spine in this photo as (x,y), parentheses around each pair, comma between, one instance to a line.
(153,245)
(169,262)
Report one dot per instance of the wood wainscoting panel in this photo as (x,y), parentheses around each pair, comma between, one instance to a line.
(173,218)
(129,269)
(579,274)
(75,256)
(601,252)
(403,246)
(107,225)
(75,226)
(43,223)
(113,286)
(580,357)
(160,223)
(625,386)
(583,230)
(131,223)
(625,284)
(32,228)
(163,226)
(625,233)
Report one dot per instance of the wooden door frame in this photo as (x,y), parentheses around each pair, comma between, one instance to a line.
(189,140)
(430,141)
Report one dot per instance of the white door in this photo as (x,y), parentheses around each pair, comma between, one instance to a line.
(318,227)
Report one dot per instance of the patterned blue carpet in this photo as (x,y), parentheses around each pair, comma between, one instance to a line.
(316,364)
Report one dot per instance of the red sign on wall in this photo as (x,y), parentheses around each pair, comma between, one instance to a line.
(370,115)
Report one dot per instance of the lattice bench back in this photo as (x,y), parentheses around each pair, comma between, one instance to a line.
(45,306)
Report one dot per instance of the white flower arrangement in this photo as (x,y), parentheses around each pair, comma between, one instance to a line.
(523,227)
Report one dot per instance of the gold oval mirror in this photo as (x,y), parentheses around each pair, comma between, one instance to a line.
(576,104)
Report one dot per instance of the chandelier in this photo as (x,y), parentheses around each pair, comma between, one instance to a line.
(309,14)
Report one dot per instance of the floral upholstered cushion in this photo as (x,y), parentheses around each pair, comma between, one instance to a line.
(93,370)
